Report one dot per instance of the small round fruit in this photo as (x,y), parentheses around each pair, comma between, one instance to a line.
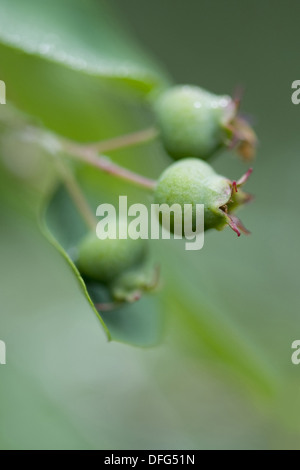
(104,260)
(192,121)
(193,181)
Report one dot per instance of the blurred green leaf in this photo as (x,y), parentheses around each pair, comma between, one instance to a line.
(80,68)
(139,323)
(88,40)
(80,71)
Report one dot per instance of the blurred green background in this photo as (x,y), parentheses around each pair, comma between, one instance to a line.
(221,375)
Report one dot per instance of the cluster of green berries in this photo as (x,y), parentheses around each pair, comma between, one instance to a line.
(193,125)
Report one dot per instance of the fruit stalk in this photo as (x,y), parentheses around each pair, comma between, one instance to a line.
(89,156)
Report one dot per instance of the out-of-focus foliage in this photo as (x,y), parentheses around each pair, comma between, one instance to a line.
(85,86)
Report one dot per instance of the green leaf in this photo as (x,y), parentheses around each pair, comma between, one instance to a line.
(88,40)
(82,76)
(71,64)
(139,323)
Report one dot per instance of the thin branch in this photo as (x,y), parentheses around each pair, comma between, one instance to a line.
(90,157)
(76,194)
(123,141)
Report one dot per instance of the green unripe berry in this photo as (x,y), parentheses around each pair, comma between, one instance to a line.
(192,121)
(193,181)
(104,260)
